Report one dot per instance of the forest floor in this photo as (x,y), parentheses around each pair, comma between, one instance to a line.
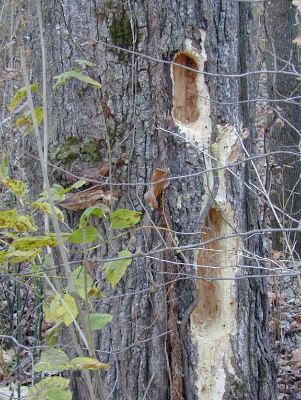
(285,324)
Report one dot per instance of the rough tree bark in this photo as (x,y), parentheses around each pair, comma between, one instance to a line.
(281,25)
(162,331)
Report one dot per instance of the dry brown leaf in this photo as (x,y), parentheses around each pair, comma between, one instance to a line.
(276,298)
(245,133)
(160,181)
(298,319)
(90,173)
(294,327)
(277,255)
(279,122)
(10,74)
(86,198)
(296,358)
(235,153)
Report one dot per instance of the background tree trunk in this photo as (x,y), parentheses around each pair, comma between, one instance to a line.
(157,342)
(284,177)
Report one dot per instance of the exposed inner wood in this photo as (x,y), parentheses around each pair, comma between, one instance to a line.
(209,307)
(185,98)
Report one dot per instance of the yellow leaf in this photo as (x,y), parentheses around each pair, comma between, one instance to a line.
(215,150)
(16,186)
(58,311)
(11,219)
(95,293)
(35,242)
(87,363)
(15,256)
(20,96)
(45,207)
(26,119)
(50,388)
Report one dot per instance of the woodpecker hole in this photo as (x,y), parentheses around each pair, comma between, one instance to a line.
(185,95)
(209,307)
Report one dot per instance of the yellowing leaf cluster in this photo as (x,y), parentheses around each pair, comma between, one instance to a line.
(35,242)
(19,188)
(12,219)
(45,207)
(16,256)
(16,186)
(55,360)
(20,95)
(61,309)
(83,281)
(26,119)
(27,248)
(51,388)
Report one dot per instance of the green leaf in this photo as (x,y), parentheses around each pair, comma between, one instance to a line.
(20,96)
(85,62)
(52,388)
(84,235)
(115,270)
(79,281)
(87,363)
(93,211)
(87,79)
(53,334)
(11,219)
(63,78)
(19,188)
(53,394)
(98,321)
(124,218)
(2,255)
(4,167)
(56,311)
(53,361)
(76,185)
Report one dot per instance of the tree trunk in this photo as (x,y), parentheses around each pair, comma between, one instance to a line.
(172,336)
(283,129)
